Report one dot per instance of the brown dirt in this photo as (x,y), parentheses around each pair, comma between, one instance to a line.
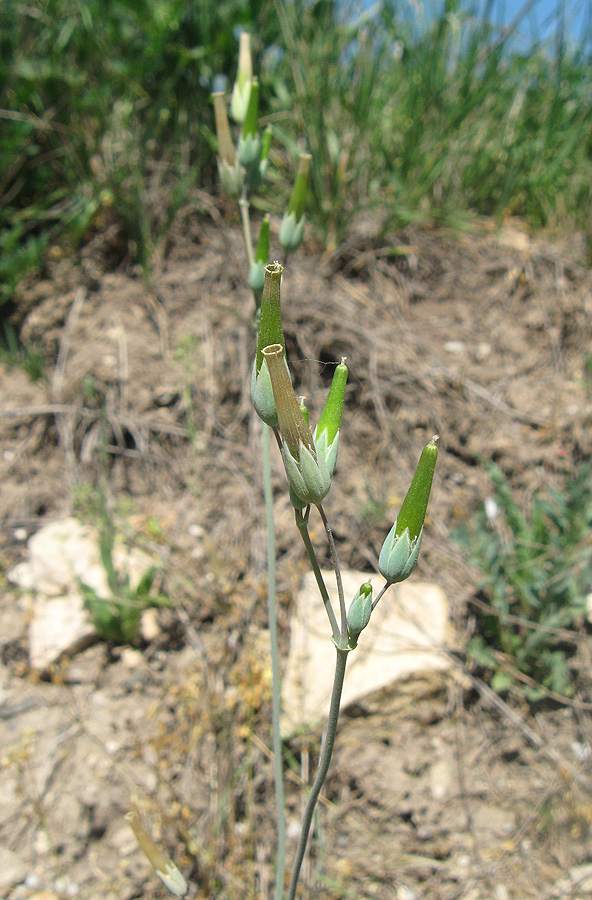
(437,790)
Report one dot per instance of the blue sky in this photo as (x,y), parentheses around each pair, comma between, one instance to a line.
(544,16)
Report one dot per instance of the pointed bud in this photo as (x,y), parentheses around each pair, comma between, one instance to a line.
(400,550)
(232,178)
(326,433)
(306,471)
(292,225)
(359,613)
(249,144)
(242,86)
(414,508)
(298,198)
(251,123)
(257,268)
(164,867)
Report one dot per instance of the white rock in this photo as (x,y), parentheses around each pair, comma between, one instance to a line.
(65,552)
(406,635)
(149,627)
(61,555)
(454,347)
(59,625)
(12,870)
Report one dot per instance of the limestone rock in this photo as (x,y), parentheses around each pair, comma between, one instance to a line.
(61,555)
(406,634)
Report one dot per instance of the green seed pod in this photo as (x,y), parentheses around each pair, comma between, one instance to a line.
(298,198)
(326,433)
(359,613)
(270,317)
(413,511)
(256,277)
(291,232)
(400,550)
(232,178)
(241,91)
(307,472)
(251,123)
(262,251)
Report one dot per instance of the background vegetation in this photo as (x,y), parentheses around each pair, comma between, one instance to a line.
(106,121)
(106,116)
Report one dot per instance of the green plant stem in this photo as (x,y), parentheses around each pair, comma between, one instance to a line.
(381,593)
(337,568)
(275,665)
(324,763)
(302,523)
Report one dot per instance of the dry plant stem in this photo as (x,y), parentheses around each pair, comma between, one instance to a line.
(324,763)
(302,523)
(337,568)
(275,664)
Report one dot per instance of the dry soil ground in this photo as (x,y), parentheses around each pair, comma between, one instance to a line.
(437,790)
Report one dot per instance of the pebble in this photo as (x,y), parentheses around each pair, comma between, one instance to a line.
(454,347)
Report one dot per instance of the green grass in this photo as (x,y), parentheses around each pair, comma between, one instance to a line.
(537,572)
(105,116)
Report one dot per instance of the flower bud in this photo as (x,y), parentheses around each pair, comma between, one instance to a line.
(306,470)
(257,267)
(326,434)
(291,232)
(164,867)
(249,144)
(292,225)
(241,91)
(359,613)
(401,548)
(232,178)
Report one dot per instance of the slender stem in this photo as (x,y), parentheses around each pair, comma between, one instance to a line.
(275,666)
(302,522)
(246,223)
(324,763)
(337,572)
(381,593)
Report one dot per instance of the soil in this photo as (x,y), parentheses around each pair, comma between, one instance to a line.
(438,788)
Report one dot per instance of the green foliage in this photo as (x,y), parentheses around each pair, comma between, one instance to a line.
(102,107)
(106,116)
(116,618)
(14,354)
(434,118)
(537,571)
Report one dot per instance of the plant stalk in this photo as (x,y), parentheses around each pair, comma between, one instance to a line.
(275,665)
(324,763)
(302,522)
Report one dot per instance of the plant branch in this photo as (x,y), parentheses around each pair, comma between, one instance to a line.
(337,572)
(302,523)
(275,665)
(324,763)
